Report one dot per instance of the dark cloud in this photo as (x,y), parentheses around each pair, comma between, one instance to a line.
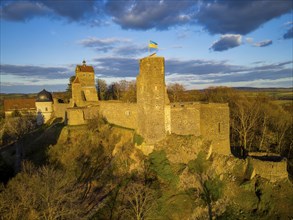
(188,72)
(264,43)
(240,17)
(199,67)
(7,88)
(22,10)
(226,42)
(216,16)
(36,71)
(71,10)
(256,75)
(145,14)
(288,34)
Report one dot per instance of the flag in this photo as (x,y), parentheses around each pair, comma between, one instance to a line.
(153,44)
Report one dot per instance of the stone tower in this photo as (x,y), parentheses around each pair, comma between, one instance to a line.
(152,100)
(86,78)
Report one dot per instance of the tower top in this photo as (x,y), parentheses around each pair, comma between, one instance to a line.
(83,63)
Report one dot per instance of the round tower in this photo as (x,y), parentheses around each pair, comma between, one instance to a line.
(44,106)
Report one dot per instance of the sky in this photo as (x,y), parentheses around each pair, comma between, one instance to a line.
(240,43)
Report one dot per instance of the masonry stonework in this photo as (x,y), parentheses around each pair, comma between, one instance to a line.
(152,99)
(119,113)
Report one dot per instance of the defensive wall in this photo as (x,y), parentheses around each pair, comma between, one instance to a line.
(215,126)
(59,109)
(270,170)
(119,113)
(185,118)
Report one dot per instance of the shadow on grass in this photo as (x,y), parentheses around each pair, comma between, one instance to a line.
(36,145)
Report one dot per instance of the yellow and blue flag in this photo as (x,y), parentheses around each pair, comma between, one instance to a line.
(153,44)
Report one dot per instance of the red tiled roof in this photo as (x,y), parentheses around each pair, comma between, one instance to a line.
(85,68)
(19,104)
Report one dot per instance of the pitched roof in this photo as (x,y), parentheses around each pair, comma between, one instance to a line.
(19,104)
(84,68)
(76,80)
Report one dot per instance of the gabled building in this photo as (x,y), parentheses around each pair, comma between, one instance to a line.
(23,106)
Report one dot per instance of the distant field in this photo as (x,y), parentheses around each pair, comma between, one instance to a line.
(277,94)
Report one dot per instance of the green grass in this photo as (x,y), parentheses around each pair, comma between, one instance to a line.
(137,139)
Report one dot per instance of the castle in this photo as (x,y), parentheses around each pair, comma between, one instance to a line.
(153,116)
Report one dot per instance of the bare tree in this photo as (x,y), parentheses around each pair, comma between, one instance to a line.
(102,89)
(175,91)
(245,115)
(16,128)
(140,201)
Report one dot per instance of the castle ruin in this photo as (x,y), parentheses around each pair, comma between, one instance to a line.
(153,116)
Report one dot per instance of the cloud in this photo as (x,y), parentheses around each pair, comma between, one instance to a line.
(117,46)
(35,71)
(249,40)
(6,88)
(217,17)
(264,43)
(70,10)
(226,42)
(23,10)
(102,44)
(131,50)
(240,17)
(288,34)
(145,14)
(192,73)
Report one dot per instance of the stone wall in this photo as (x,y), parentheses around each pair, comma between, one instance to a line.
(214,126)
(75,116)
(272,171)
(185,118)
(91,112)
(60,109)
(119,113)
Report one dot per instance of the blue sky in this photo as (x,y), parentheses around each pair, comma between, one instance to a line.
(205,43)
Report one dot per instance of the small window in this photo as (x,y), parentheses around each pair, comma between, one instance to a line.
(46,109)
(219,128)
